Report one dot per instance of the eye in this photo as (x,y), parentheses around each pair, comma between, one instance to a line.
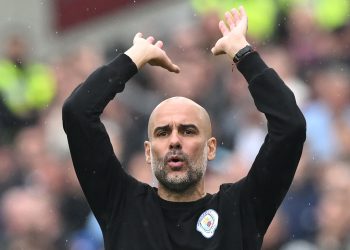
(161,133)
(189,131)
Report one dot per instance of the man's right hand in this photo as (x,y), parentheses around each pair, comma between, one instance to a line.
(146,51)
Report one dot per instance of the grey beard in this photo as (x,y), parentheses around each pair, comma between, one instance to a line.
(195,172)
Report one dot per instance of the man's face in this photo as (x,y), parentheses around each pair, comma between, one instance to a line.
(179,145)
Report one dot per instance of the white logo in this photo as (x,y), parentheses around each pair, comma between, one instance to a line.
(207,223)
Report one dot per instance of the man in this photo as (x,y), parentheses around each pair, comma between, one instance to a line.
(26,88)
(179,214)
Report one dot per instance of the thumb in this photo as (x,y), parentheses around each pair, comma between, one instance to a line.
(216,51)
(175,68)
(170,66)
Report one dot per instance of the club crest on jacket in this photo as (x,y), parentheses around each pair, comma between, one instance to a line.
(207,223)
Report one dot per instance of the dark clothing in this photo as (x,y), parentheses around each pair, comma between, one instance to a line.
(132,215)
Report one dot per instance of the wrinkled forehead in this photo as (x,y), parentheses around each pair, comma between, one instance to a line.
(179,110)
(179,115)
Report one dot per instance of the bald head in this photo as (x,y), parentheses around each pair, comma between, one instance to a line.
(180,110)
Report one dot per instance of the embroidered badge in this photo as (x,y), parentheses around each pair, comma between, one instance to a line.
(207,223)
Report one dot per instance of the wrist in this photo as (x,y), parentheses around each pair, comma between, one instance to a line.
(137,55)
(237,47)
(242,53)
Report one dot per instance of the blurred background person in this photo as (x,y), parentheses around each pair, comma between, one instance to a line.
(26,88)
(31,220)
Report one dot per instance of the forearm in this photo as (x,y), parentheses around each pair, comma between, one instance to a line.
(273,169)
(98,170)
(273,98)
(92,96)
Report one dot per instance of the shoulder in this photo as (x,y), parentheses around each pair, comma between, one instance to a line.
(230,191)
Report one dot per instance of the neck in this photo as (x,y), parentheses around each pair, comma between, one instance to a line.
(191,194)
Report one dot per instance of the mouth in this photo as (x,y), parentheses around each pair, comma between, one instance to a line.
(175,162)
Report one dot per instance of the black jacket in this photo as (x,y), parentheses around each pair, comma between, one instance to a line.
(131,214)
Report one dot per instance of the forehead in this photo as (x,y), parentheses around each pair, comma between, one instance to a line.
(176,112)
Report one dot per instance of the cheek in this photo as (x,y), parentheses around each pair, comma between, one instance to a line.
(197,150)
(158,151)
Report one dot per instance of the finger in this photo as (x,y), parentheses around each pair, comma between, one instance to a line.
(242,12)
(169,65)
(230,20)
(159,44)
(223,28)
(216,51)
(150,39)
(244,17)
(236,15)
(138,35)
(172,67)
(175,69)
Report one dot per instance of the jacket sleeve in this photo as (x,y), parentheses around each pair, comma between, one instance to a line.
(99,172)
(273,169)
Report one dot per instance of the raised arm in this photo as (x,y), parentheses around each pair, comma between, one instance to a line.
(272,172)
(99,172)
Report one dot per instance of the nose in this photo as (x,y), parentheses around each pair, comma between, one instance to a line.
(175,142)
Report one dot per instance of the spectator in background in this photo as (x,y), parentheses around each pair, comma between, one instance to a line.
(277,234)
(316,30)
(328,14)
(332,213)
(69,70)
(11,175)
(42,170)
(261,28)
(328,114)
(343,38)
(31,220)
(283,62)
(26,88)
(301,201)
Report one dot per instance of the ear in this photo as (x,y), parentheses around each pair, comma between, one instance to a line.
(147,146)
(211,143)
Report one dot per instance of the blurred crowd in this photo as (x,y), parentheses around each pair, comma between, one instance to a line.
(41,203)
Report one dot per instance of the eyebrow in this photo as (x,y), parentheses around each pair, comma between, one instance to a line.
(161,128)
(186,126)
(181,127)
